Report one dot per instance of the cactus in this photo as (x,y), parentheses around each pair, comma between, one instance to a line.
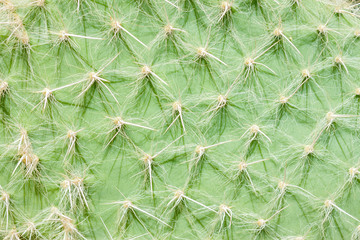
(179,119)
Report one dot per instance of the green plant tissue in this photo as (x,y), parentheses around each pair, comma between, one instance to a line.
(179,119)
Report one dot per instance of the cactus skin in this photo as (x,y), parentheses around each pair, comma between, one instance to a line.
(188,119)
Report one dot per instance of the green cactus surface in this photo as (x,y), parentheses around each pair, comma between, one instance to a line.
(179,119)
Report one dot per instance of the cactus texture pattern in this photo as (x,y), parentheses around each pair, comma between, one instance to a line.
(179,119)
